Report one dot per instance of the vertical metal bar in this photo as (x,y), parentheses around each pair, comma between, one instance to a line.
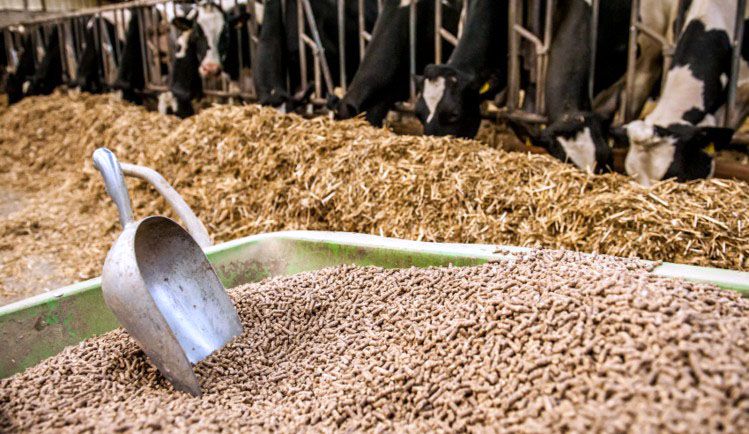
(412,46)
(302,47)
(35,42)
(319,49)
(104,36)
(595,8)
(629,91)
(362,30)
(318,81)
(61,47)
(513,75)
(438,31)
(156,32)
(543,68)
(738,37)
(119,21)
(143,46)
(342,43)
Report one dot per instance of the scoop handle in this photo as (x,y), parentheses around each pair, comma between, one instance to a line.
(106,163)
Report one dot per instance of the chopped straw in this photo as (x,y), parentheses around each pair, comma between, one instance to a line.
(247,170)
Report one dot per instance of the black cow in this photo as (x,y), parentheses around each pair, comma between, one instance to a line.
(450,95)
(383,76)
(25,69)
(90,72)
(130,75)
(278,47)
(576,132)
(678,138)
(48,74)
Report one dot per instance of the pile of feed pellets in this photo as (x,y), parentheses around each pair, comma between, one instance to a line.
(542,341)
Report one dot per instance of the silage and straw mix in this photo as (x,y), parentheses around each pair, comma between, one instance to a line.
(545,341)
(248,170)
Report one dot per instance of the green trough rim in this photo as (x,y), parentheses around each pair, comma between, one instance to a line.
(41,326)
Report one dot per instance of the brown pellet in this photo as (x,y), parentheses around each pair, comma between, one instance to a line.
(545,341)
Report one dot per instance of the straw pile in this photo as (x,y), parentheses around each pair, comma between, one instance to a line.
(247,170)
(536,343)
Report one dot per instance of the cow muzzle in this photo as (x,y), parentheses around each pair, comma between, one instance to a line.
(209,69)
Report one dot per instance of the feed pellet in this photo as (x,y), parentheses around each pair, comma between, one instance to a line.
(545,341)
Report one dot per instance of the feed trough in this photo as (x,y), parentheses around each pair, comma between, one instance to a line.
(41,326)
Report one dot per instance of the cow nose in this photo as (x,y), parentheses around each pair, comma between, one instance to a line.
(208,69)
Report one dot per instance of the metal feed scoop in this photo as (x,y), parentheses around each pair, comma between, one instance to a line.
(159,284)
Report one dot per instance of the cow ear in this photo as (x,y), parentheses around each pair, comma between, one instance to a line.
(418,82)
(619,135)
(716,138)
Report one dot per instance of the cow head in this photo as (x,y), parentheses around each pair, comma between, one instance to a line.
(185,82)
(448,101)
(577,138)
(206,27)
(680,151)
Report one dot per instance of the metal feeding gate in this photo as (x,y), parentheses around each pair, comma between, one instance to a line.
(530,30)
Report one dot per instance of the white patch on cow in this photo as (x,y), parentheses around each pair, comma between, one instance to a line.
(683,92)
(581,150)
(649,156)
(182,44)
(723,79)
(715,15)
(589,2)
(406,3)
(167,101)
(709,120)
(259,11)
(25,86)
(121,21)
(211,21)
(433,92)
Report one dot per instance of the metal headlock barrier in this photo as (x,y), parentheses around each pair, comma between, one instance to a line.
(529,22)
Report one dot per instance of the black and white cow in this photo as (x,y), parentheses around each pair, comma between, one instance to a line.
(211,40)
(450,95)
(575,132)
(90,71)
(383,76)
(679,137)
(21,67)
(278,48)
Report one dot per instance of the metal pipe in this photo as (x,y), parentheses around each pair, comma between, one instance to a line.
(449,37)
(363,39)
(320,50)
(543,69)
(98,9)
(63,57)
(342,43)
(438,31)
(738,37)
(412,46)
(629,90)
(302,48)
(513,75)
(143,46)
(104,36)
(595,8)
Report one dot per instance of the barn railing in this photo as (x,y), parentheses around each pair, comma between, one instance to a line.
(524,26)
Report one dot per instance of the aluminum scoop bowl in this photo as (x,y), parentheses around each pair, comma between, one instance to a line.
(161,287)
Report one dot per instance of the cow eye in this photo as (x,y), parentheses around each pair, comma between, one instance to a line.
(453,79)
